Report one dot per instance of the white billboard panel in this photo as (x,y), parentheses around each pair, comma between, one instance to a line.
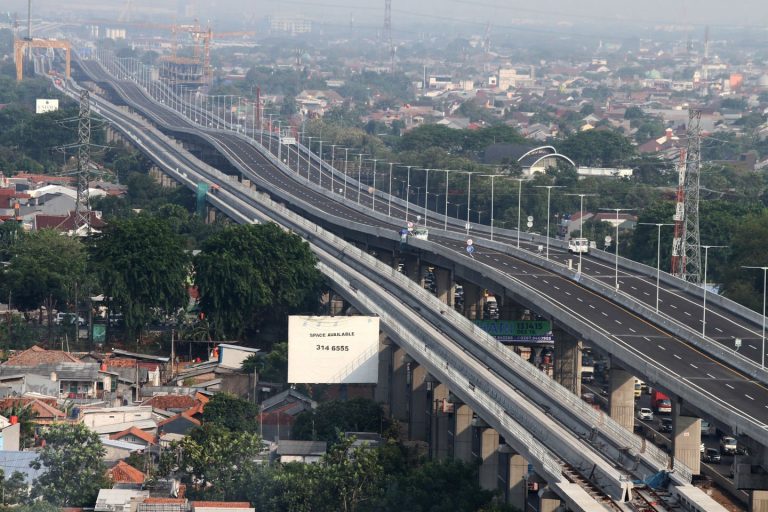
(333,349)
(42,106)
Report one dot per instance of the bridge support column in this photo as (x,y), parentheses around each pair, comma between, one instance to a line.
(686,438)
(517,481)
(489,455)
(444,281)
(462,433)
(399,386)
(568,361)
(473,301)
(438,441)
(413,267)
(418,404)
(386,257)
(758,501)
(383,387)
(548,501)
(621,397)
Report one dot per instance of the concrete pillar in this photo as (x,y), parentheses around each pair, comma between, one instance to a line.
(444,281)
(440,415)
(489,456)
(621,397)
(548,501)
(473,301)
(686,438)
(517,481)
(758,501)
(462,433)
(567,361)
(413,267)
(399,386)
(419,409)
(386,257)
(211,217)
(382,391)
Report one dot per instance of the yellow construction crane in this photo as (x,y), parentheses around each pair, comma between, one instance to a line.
(19,44)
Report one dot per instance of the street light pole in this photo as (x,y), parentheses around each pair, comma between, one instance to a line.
(581,225)
(616,259)
(549,213)
(704,307)
(346,160)
(373,195)
(519,203)
(492,176)
(469,190)
(426,196)
(658,225)
(408,191)
(359,172)
(320,168)
(389,199)
(765,281)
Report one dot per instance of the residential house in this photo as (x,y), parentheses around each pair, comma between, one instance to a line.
(158,504)
(19,384)
(111,420)
(36,356)
(119,500)
(308,452)
(81,382)
(119,450)
(124,473)
(171,403)
(278,413)
(233,356)
(44,409)
(181,423)
(136,436)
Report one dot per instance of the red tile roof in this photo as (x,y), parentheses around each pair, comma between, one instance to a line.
(125,473)
(221,504)
(36,356)
(179,416)
(169,402)
(64,222)
(136,432)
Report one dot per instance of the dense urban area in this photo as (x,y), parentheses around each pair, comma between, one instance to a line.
(144,331)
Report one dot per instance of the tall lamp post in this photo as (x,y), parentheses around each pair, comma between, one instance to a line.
(492,176)
(519,203)
(309,159)
(658,225)
(765,281)
(373,194)
(469,191)
(549,213)
(581,222)
(346,160)
(359,172)
(320,168)
(426,194)
(408,191)
(389,199)
(704,306)
(616,259)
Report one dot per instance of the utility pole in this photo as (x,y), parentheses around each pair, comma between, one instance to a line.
(82,203)
(691,264)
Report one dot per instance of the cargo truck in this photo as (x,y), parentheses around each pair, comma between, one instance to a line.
(661,402)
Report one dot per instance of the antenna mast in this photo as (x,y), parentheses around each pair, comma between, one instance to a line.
(82,203)
(690,269)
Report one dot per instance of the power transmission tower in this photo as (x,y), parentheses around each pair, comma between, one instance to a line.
(82,202)
(691,263)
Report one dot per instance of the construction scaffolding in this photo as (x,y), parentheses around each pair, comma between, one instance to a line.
(194,70)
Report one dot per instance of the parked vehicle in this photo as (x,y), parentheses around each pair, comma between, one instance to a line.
(660,402)
(712,456)
(645,414)
(491,308)
(728,445)
(638,388)
(578,245)
(587,377)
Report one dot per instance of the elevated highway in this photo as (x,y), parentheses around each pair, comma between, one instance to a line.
(486,371)
(662,348)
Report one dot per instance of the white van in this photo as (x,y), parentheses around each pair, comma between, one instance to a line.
(577,245)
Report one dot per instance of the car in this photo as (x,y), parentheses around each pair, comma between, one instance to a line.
(666,425)
(645,414)
(711,455)
(728,445)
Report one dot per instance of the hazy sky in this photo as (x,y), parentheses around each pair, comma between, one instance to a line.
(497,12)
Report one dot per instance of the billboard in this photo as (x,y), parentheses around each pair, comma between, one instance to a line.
(43,106)
(333,349)
(519,332)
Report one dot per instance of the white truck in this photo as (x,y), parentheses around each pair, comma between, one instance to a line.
(577,245)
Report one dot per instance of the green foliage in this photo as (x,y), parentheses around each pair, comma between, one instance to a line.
(246,273)
(458,142)
(141,265)
(734,104)
(232,412)
(45,269)
(597,148)
(26,416)
(272,367)
(72,464)
(213,461)
(13,489)
(324,423)
(10,234)
(437,486)
(747,248)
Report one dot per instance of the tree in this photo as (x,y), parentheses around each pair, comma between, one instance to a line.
(598,148)
(72,464)
(46,269)
(141,265)
(231,412)
(272,367)
(214,462)
(14,488)
(324,423)
(26,416)
(245,273)
(436,486)
(750,236)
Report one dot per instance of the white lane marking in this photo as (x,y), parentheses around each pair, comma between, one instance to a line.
(604,313)
(687,313)
(506,264)
(753,347)
(633,287)
(728,385)
(748,396)
(673,306)
(718,329)
(545,281)
(616,321)
(677,356)
(631,329)
(568,293)
(693,365)
(712,377)
(579,299)
(646,294)
(591,306)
